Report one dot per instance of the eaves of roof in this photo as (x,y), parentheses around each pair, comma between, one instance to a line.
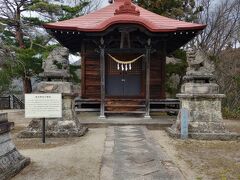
(102,19)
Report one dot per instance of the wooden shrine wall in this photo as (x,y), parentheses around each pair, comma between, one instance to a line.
(91,78)
(157,76)
(90,73)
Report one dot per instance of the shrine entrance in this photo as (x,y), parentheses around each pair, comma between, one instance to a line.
(123,51)
(124,80)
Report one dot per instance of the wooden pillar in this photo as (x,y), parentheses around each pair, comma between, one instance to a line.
(83,70)
(102,71)
(147,101)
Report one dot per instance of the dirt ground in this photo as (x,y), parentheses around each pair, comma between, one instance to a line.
(62,158)
(80,158)
(59,158)
(218,160)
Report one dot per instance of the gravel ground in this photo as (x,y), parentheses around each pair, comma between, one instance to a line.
(79,158)
(204,160)
(59,158)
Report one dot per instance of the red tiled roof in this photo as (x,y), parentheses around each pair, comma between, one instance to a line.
(123,12)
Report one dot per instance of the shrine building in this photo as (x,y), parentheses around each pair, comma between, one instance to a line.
(123,50)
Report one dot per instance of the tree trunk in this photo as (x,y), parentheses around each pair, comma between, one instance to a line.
(19,32)
(27,85)
(19,37)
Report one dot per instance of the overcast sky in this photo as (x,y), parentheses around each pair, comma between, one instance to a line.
(104,3)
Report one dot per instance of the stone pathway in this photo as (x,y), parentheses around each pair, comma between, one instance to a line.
(131,154)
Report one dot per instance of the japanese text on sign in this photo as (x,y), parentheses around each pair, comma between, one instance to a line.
(43,105)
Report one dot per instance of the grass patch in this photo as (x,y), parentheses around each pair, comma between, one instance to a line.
(231,113)
(216,159)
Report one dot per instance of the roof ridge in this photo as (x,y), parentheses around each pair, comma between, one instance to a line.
(127,8)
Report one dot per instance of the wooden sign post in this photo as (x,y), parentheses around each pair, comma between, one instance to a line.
(43,106)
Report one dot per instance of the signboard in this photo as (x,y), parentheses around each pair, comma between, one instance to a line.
(184,123)
(43,105)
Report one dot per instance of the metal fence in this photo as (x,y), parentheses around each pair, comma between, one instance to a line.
(5,102)
(11,102)
(17,103)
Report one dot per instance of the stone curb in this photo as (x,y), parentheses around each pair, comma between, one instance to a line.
(107,158)
(227,136)
(52,134)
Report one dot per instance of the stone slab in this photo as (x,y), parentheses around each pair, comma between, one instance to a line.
(55,87)
(200,88)
(91,120)
(132,160)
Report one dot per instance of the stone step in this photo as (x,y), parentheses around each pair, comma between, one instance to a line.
(87,109)
(125,112)
(124,105)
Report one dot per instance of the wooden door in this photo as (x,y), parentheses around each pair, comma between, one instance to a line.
(123,83)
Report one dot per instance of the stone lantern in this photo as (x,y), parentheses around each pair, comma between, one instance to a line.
(56,80)
(11,161)
(201,98)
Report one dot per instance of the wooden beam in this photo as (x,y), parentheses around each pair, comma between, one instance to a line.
(129,26)
(148,56)
(102,71)
(125,50)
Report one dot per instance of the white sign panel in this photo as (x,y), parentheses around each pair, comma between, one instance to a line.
(43,105)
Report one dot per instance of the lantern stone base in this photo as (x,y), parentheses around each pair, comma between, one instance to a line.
(205,114)
(11,161)
(226,136)
(201,98)
(54,128)
(205,117)
(67,126)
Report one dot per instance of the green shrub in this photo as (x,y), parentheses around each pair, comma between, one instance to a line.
(231,113)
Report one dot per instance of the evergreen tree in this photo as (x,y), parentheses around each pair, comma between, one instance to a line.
(179,9)
(4,73)
(23,34)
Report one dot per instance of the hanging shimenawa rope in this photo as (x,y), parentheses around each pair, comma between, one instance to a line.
(125,65)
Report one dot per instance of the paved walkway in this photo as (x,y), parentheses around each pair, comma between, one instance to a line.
(131,154)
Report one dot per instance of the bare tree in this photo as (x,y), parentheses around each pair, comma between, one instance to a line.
(93,5)
(222,19)
(228,73)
